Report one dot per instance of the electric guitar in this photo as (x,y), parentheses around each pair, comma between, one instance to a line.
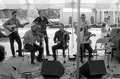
(13,27)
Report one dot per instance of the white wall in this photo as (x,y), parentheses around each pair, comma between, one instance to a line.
(110,13)
(64,16)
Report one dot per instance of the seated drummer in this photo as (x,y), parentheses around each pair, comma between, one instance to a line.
(61,37)
(29,41)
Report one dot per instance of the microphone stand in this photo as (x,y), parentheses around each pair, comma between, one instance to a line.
(41,36)
(64,47)
(42,43)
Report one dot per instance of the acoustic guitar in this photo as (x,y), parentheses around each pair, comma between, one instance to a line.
(13,27)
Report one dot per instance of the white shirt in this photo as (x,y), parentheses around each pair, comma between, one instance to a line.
(82,25)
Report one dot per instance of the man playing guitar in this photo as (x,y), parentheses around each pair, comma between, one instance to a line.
(11,26)
(43,21)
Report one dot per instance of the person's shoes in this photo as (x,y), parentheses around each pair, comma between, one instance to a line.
(39,60)
(82,61)
(54,59)
(64,56)
(64,61)
(89,59)
(32,62)
(20,55)
(94,51)
(14,56)
(44,59)
(91,56)
(49,55)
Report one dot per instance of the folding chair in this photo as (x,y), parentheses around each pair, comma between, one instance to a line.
(24,52)
(98,43)
(113,52)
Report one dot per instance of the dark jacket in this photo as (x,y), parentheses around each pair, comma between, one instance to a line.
(41,22)
(61,36)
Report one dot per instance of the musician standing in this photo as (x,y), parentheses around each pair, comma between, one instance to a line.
(30,38)
(85,42)
(61,37)
(14,34)
(43,21)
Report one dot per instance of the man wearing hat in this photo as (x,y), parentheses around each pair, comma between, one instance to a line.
(29,42)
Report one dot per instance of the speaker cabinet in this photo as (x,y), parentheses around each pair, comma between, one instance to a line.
(52,69)
(93,69)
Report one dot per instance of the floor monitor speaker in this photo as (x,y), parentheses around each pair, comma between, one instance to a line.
(93,69)
(52,69)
